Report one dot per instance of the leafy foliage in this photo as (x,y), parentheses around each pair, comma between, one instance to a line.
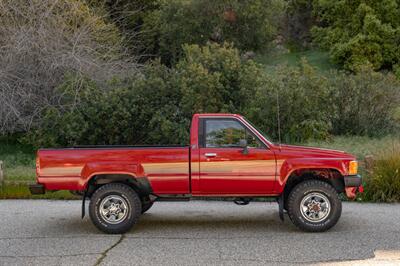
(143,112)
(359,33)
(250,25)
(156,107)
(214,78)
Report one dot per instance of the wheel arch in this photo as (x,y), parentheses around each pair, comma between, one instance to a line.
(140,185)
(331,176)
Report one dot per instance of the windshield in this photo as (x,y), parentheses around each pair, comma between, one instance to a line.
(259,131)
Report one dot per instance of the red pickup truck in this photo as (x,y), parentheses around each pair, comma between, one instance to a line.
(227,158)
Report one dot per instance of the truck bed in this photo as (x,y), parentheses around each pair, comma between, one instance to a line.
(166,167)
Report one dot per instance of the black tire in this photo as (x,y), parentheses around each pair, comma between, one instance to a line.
(123,196)
(146,204)
(314,191)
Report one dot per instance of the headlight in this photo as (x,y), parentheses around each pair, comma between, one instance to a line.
(353,167)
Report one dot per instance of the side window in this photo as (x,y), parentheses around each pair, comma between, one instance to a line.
(226,133)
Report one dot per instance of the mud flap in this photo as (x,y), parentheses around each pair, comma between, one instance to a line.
(83,204)
(281,204)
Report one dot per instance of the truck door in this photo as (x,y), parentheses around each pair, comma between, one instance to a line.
(226,168)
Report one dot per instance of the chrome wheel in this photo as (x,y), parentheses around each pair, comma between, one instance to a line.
(113,209)
(315,207)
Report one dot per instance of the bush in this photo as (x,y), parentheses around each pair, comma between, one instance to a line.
(304,104)
(140,113)
(382,182)
(250,25)
(146,111)
(359,33)
(156,107)
(367,103)
(315,105)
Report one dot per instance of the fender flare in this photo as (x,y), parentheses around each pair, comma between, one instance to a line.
(140,184)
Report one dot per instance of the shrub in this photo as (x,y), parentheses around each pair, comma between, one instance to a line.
(359,33)
(156,106)
(367,103)
(145,111)
(304,104)
(382,182)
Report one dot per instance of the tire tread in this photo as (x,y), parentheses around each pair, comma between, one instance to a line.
(300,189)
(134,202)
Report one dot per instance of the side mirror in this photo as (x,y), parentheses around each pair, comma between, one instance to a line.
(243,144)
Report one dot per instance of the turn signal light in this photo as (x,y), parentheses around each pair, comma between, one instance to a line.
(37,165)
(353,167)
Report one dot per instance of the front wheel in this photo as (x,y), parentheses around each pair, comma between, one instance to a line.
(114,208)
(314,206)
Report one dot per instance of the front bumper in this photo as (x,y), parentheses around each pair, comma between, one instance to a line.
(353,184)
(352,181)
(36,189)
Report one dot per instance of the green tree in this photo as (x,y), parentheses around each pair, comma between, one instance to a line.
(213,78)
(359,33)
(250,25)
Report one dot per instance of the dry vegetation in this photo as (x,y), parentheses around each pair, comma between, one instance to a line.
(40,41)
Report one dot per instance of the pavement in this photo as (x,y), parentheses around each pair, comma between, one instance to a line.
(44,232)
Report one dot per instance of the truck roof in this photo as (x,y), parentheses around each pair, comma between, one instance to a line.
(216,114)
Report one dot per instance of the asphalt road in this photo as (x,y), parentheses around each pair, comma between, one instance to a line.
(42,232)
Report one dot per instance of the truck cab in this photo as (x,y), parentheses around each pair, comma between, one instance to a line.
(230,157)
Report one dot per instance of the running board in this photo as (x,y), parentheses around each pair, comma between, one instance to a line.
(172,199)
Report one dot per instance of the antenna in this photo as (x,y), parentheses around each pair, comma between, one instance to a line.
(278,118)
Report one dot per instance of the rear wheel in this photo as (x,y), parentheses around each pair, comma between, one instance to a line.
(114,208)
(314,206)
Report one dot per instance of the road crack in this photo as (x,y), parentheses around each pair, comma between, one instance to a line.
(105,252)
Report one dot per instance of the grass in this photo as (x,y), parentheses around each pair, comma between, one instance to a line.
(19,171)
(319,59)
(384,176)
(359,146)
(21,191)
(18,161)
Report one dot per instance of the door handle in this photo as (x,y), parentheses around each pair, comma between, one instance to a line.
(210,154)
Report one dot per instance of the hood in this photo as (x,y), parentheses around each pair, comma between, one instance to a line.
(313,151)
